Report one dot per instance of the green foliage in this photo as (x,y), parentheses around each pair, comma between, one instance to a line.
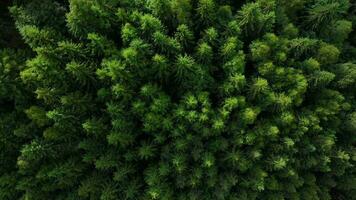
(178,99)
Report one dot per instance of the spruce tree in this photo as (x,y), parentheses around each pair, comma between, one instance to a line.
(179,100)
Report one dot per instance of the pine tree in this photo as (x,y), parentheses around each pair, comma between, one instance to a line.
(179,99)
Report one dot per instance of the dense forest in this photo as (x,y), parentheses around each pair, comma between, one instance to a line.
(177,100)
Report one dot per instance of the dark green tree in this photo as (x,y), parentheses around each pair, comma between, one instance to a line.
(180,99)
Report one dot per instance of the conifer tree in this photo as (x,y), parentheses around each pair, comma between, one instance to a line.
(179,99)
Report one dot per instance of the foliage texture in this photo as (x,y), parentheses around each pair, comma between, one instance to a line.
(178,100)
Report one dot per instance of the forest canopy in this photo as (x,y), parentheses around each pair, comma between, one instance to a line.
(178,100)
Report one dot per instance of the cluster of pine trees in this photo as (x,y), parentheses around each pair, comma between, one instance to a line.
(178,100)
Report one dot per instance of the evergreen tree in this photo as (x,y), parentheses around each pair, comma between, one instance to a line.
(179,99)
